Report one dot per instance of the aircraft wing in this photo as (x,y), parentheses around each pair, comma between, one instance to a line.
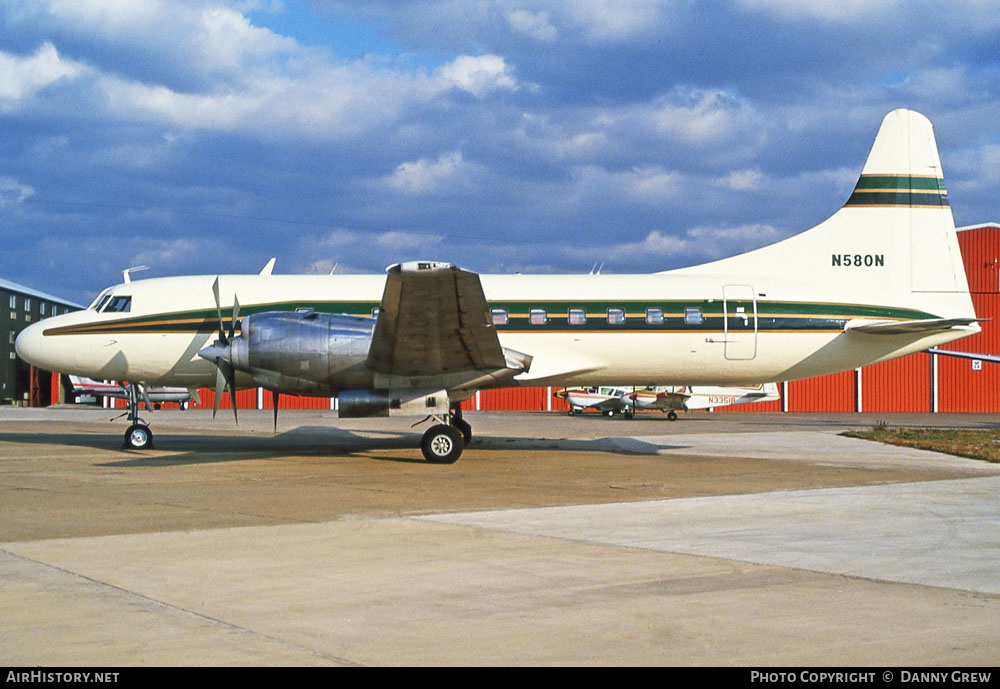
(611,404)
(929,325)
(670,399)
(433,320)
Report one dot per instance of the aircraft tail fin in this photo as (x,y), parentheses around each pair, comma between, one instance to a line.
(895,235)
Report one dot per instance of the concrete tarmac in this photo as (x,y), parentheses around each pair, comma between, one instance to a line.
(721,539)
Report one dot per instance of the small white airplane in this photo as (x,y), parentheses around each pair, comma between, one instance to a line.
(881,278)
(154,397)
(607,399)
(625,400)
(671,398)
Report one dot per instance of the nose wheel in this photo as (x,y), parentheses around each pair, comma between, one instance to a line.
(138,437)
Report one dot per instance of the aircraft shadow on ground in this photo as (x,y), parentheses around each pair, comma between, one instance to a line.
(171,449)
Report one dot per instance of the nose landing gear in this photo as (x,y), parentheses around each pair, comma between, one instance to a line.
(137,436)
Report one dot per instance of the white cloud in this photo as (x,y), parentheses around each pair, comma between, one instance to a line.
(427,176)
(13,192)
(478,75)
(535,25)
(405,241)
(705,243)
(655,243)
(715,242)
(841,11)
(159,252)
(742,180)
(613,20)
(698,116)
(22,77)
(191,38)
(653,185)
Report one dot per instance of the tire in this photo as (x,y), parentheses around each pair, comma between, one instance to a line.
(672,415)
(628,414)
(138,437)
(442,444)
(609,413)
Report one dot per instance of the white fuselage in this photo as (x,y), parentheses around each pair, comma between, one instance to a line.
(640,329)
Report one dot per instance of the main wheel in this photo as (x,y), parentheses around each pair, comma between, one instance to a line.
(609,413)
(138,437)
(628,414)
(442,444)
(672,415)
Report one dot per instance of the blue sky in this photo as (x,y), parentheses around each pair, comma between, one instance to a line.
(513,135)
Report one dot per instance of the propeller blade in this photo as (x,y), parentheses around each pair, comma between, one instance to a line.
(232,399)
(225,374)
(236,317)
(218,309)
(220,386)
(274,402)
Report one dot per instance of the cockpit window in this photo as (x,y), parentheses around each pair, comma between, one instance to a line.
(118,304)
(99,302)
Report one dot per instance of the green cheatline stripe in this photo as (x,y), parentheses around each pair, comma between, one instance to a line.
(902,182)
(897,198)
(777,315)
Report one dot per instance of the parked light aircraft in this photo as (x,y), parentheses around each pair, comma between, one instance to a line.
(671,398)
(607,399)
(153,396)
(627,400)
(881,278)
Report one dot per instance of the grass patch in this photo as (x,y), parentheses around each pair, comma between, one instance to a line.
(976,444)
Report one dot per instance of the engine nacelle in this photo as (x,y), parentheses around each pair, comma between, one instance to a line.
(304,352)
(360,403)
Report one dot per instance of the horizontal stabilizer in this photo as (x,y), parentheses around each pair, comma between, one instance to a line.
(929,325)
(992,358)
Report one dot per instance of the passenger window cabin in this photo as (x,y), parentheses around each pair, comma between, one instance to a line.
(538,316)
(693,316)
(616,316)
(576,316)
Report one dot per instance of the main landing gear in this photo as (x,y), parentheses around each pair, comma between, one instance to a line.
(137,436)
(443,442)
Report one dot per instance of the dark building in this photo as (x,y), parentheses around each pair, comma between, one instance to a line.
(19,382)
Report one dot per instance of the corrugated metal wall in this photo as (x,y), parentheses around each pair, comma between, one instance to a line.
(829,393)
(962,386)
(898,385)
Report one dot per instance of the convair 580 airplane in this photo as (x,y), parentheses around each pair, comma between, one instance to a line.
(881,278)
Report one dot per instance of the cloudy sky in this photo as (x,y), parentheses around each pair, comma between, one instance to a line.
(206,136)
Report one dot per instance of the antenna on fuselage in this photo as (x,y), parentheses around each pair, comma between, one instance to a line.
(125,273)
